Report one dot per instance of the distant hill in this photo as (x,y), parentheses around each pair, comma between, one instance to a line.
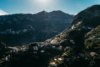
(21,29)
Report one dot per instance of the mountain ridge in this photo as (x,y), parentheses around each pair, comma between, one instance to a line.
(37,27)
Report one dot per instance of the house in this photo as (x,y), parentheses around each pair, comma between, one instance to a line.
(48,40)
(79,23)
(38,44)
(42,51)
(33,46)
(58,36)
(60,47)
(67,48)
(10,51)
(92,53)
(41,45)
(53,46)
(55,59)
(72,27)
(53,64)
(6,58)
(60,59)
(72,41)
(94,37)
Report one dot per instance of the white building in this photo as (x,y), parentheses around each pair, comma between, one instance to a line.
(67,48)
(55,59)
(72,41)
(92,53)
(35,48)
(38,44)
(6,58)
(79,23)
(73,27)
(53,46)
(42,51)
(60,59)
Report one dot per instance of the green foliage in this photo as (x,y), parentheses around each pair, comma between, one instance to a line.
(93,43)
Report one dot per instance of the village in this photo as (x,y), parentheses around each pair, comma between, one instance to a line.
(49,48)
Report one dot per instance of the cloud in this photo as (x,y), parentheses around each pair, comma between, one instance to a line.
(3,12)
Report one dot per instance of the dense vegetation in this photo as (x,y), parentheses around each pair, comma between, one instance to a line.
(92,41)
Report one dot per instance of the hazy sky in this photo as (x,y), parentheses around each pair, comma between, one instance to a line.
(35,6)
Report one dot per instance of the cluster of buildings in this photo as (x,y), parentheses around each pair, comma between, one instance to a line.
(94,37)
(10,31)
(84,27)
(68,57)
(6,58)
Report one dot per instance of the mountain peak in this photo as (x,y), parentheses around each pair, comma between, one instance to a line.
(94,7)
(89,17)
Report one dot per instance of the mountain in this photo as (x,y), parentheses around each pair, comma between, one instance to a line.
(78,46)
(82,23)
(81,41)
(88,17)
(21,29)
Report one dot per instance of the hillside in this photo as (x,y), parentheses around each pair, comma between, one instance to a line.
(82,23)
(21,29)
(78,46)
(92,41)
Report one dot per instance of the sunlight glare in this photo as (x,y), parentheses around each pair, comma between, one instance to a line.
(44,2)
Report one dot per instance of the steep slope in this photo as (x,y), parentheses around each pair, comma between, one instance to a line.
(21,29)
(89,17)
(82,23)
(92,41)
